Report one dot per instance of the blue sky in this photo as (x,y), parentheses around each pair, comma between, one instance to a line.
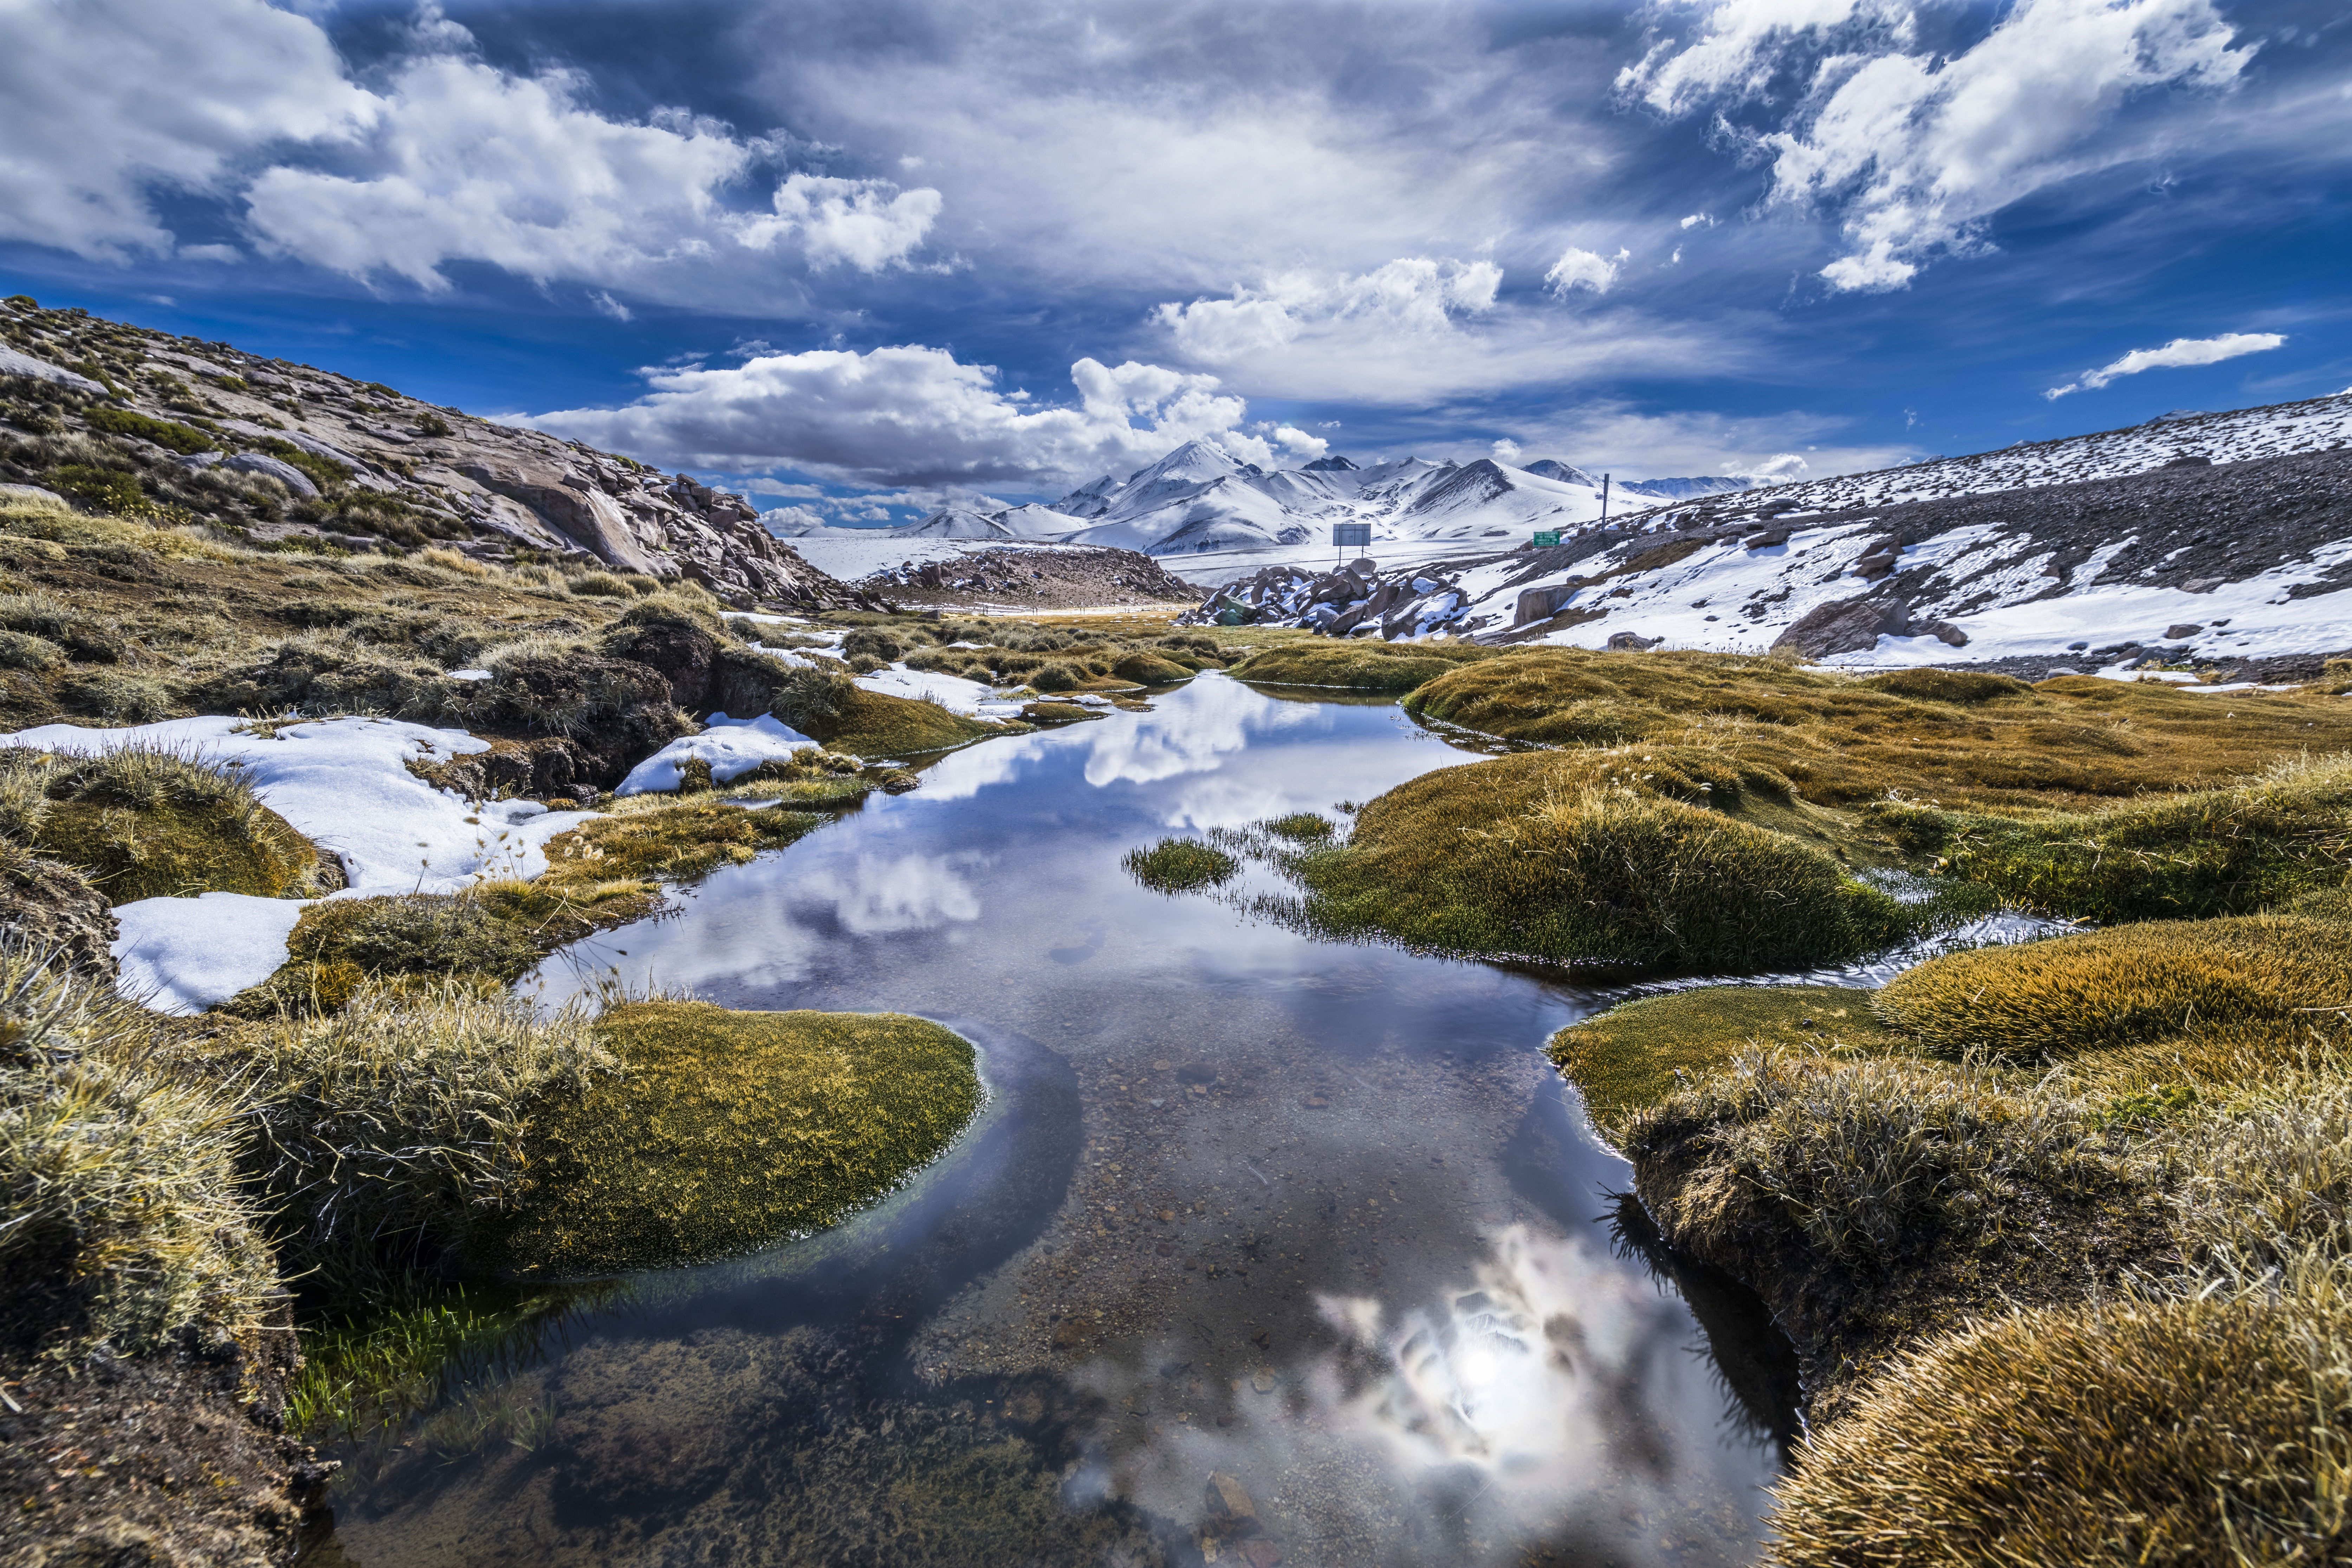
(862,257)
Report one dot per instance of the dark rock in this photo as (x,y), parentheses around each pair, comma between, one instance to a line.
(1632,642)
(1846,626)
(2187,460)
(2185,629)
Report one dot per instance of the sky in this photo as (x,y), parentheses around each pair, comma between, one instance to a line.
(859,260)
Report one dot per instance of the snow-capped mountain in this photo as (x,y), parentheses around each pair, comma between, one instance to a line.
(1200,501)
(2224,539)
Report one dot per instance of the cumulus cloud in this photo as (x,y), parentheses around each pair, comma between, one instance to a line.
(1776,469)
(910,415)
(109,105)
(1409,295)
(2179,352)
(88,132)
(1506,450)
(1917,151)
(1300,444)
(1583,269)
(868,224)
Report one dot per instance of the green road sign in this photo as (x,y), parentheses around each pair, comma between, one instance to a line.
(1548,538)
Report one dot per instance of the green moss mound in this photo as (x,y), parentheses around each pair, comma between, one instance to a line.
(1635,1055)
(1178,865)
(2130,985)
(1150,670)
(2178,1433)
(1946,685)
(339,945)
(2206,852)
(142,823)
(726,1131)
(1595,863)
(1364,666)
(876,724)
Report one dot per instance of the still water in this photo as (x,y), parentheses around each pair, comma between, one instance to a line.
(1265,1249)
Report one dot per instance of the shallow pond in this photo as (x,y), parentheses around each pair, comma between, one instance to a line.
(1265,1248)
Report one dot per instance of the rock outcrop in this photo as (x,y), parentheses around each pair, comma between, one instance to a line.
(358,465)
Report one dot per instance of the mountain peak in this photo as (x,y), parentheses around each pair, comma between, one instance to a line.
(1333,464)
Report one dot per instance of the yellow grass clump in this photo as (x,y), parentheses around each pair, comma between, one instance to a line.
(120,1220)
(2126,985)
(141,822)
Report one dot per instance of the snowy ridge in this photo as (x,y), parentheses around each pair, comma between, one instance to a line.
(2317,425)
(2207,560)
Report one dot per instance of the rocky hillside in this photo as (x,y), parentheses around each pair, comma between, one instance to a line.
(2242,564)
(140,423)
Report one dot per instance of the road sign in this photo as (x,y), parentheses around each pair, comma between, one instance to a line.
(1352,535)
(1547,537)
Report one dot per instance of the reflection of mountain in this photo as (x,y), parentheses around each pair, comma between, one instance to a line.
(1198,499)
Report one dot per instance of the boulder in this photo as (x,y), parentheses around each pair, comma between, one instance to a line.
(2185,629)
(296,481)
(1846,626)
(1632,642)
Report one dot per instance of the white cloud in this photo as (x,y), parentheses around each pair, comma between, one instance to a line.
(606,305)
(1409,295)
(1506,450)
(102,103)
(1300,444)
(869,223)
(909,416)
(1698,218)
(108,105)
(2179,352)
(1583,269)
(1772,470)
(1915,151)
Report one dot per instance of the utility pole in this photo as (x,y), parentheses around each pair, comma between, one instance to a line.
(1604,501)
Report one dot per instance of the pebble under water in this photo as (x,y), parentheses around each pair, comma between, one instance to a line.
(1265,1249)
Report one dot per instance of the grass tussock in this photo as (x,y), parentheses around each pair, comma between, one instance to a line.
(1636,1054)
(2128,985)
(1873,1160)
(2136,1432)
(692,1152)
(403,1118)
(1180,864)
(2281,833)
(1359,665)
(142,822)
(1633,859)
(121,1223)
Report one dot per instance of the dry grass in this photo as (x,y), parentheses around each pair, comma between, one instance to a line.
(1873,1160)
(1840,741)
(141,822)
(727,1130)
(1363,666)
(401,1121)
(2171,1432)
(2128,985)
(1635,1055)
(121,1222)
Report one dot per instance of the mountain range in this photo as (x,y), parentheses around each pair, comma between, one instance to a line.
(2222,541)
(1199,499)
